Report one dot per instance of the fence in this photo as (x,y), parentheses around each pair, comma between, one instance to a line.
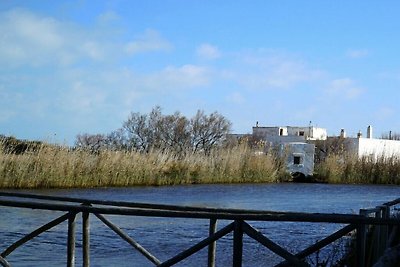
(239,225)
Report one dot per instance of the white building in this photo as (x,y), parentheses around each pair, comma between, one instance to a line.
(371,147)
(292,143)
(299,133)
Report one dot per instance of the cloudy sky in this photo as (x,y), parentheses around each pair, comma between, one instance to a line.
(70,67)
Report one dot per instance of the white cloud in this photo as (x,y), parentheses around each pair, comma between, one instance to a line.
(26,38)
(150,41)
(29,39)
(357,53)
(208,52)
(344,88)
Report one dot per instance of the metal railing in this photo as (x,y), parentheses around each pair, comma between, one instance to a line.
(239,225)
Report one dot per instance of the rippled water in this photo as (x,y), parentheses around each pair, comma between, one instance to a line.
(167,237)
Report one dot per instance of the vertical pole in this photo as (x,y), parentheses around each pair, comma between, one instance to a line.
(361,240)
(212,246)
(86,239)
(376,243)
(71,240)
(237,244)
(385,228)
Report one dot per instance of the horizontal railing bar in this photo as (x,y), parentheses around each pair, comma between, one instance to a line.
(129,204)
(265,241)
(289,217)
(33,234)
(392,203)
(128,239)
(320,244)
(197,247)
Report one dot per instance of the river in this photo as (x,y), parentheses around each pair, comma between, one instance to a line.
(167,237)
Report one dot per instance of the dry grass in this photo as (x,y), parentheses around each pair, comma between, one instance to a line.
(352,170)
(57,167)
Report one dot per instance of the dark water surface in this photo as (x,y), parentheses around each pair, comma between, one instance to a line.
(167,237)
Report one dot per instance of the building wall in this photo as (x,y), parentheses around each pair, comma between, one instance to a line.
(297,130)
(377,148)
(319,134)
(305,152)
(311,133)
(285,139)
(263,132)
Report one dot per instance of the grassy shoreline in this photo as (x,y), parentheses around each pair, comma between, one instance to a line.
(58,167)
(52,167)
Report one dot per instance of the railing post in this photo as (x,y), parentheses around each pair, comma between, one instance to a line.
(85,239)
(361,240)
(385,228)
(71,240)
(376,242)
(237,244)
(212,246)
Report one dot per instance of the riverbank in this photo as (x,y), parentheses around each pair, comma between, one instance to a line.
(61,167)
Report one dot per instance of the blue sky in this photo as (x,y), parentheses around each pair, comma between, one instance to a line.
(70,67)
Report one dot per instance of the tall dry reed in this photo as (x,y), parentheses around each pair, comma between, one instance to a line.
(354,170)
(59,167)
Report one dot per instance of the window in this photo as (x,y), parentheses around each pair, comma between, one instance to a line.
(296,160)
(301,133)
(281,132)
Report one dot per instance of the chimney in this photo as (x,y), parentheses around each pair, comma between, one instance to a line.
(342,133)
(359,135)
(369,132)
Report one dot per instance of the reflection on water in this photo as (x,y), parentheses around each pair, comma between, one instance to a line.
(165,237)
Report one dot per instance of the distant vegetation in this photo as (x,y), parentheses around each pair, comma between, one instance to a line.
(158,149)
(155,131)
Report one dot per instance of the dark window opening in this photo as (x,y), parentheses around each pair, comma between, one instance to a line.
(301,133)
(280,132)
(296,160)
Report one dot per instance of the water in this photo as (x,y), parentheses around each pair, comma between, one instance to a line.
(167,237)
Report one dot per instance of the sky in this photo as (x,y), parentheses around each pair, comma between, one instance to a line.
(73,67)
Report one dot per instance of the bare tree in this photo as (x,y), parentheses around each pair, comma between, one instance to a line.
(117,140)
(92,142)
(208,131)
(137,131)
(174,133)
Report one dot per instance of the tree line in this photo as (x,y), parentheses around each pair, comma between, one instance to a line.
(156,131)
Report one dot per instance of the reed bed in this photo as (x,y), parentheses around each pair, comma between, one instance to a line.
(58,167)
(353,170)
